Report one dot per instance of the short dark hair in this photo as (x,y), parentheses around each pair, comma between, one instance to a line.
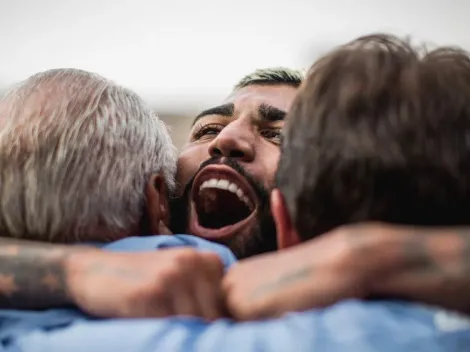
(380,131)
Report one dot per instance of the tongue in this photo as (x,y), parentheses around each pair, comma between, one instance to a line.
(217,208)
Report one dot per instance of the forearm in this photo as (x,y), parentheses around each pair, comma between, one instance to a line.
(34,275)
(432,265)
(427,265)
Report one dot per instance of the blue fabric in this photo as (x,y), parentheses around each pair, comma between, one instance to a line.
(148,243)
(348,326)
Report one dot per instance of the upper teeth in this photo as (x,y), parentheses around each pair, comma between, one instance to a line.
(228,186)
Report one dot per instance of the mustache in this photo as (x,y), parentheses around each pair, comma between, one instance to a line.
(261,192)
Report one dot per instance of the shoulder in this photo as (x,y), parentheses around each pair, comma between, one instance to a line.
(350,325)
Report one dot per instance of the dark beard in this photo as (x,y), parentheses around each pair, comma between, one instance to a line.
(262,238)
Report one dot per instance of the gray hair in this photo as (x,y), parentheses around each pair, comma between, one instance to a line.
(272,76)
(76,152)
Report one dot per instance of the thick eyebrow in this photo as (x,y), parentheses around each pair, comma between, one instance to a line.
(221,110)
(270,113)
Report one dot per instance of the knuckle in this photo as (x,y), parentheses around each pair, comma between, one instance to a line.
(141,295)
(157,292)
(231,302)
(214,266)
(241,311)
(212,258)
(227,284)
(234,277)
(185,256)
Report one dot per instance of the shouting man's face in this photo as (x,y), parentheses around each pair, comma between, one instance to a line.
(226,170)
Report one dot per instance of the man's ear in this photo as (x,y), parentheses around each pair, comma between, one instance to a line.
(287,235)
(157,204)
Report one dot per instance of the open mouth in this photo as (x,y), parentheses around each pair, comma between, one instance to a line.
(222,203)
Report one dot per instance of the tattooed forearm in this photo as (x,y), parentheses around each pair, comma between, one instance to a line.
(417,253)
(33,275)
(439,252)
(283,281)
(432,266)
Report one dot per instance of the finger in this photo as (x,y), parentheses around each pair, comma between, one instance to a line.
(184,301)
(159,307)
(209,287)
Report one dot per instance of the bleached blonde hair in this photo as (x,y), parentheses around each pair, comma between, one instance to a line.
(272,76)
(76,152)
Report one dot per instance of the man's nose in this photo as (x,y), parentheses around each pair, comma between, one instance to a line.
(236,140)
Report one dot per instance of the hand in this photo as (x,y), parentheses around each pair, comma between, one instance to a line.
(154,284)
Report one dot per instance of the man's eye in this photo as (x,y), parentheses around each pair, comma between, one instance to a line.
(274,135)
(206,131)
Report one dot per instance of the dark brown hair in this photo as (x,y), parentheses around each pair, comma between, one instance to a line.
(380,131)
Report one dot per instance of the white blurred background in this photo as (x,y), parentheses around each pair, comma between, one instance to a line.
(183,55)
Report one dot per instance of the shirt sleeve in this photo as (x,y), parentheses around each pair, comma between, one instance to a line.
(348,326)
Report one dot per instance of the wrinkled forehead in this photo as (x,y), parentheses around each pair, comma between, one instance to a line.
(248,99)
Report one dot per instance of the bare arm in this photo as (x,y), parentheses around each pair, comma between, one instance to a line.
(178,281)
(34,275)
(432,266)
(428,265)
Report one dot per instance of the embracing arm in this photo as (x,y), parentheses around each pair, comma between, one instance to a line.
(428,265)
(174,281)
(432,266)
(33,275)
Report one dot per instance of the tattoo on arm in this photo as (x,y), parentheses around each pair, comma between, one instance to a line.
(32,275)
(444,253)
(417,253)
(464,260)
(283,281)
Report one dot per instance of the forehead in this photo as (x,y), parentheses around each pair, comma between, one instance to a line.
(251,97)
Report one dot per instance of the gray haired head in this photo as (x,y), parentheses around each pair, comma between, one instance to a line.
(76,153)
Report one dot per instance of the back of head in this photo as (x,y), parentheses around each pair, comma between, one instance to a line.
(75,153)
(384,134)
